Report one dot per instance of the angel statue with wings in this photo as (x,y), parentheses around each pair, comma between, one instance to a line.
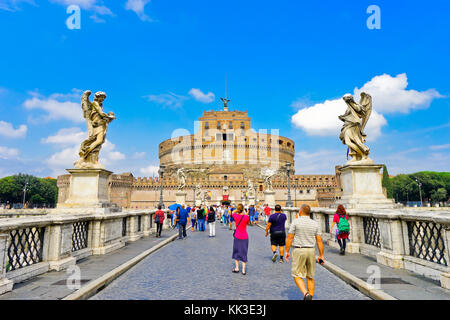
(97,123)
(352,133)
(267,174)
(181,175)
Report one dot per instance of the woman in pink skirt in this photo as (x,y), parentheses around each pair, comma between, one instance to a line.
(240,244)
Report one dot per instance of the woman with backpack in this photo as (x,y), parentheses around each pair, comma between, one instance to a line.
(343,227)
(194,218)
(159,219)
(240,243)
(211,219)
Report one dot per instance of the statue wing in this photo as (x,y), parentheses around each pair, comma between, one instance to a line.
(86,105)
(366,103)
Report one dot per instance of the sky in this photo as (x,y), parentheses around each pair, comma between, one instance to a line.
(161,63)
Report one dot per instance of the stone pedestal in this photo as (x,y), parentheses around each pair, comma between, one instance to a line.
(6,285)
(89,189)
(180,197)
(362,188)
(269,198)
(251,201)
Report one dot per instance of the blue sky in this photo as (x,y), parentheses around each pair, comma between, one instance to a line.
(162,63)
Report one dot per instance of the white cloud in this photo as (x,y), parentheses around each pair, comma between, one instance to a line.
(389,95)
(56,107)
(150,171)
(8,153)
(440,147)
(169,100)
(14,5)
(7,130)
(139,155)
(66,136)
(322,119)
(198,95)
(138,7)
(94,6)
(70,139)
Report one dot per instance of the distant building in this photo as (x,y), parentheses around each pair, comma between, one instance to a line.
(226,145)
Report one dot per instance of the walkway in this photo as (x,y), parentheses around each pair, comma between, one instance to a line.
(199,267)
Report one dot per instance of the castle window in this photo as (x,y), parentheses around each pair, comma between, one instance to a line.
(288,144)
(280,142)
(206,125)
(218,125)
(242,125)
(225,178)
(230,125)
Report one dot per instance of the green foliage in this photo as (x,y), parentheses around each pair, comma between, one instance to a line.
(386,183)
(439,195)
(39,190)
(405,186)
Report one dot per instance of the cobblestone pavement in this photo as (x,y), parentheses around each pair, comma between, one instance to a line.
(199,267)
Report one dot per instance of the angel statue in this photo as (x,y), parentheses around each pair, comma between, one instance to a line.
(267,174)
(198,191)
(352,133)
(225,103)
(97,123)
(181,175)
(251,189)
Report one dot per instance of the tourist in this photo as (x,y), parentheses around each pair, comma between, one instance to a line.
(267,212)
(159,219)
(201,218)
(194,218)
(251,214)
(182,218)
(240,244)
(257,214)
(212,222)
(225,216)
(303,235)
(343,227)
(276,226)
(170,216)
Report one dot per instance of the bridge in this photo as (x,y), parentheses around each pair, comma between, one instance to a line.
(393,254)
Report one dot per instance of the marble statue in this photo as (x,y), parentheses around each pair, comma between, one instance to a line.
(352,133)
(97,123)
(181,175)
(198,192)
(251,189)
(225,103)
(267,174)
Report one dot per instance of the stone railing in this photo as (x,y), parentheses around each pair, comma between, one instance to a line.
(30,246)
(415,241)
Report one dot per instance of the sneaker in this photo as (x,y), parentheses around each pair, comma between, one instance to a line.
(274,257)
(281,261)
(308,296)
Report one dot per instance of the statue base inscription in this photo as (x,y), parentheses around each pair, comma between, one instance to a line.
(89,189)
(269,198)
(180,197)
(362,188)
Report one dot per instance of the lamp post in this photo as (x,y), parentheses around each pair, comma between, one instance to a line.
(161,174)
(288,171)
(295,192)
(24,193)
(420,190)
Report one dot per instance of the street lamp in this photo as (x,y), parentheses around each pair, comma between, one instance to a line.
(420,190)
(295,192)
(161,174)
(24,193)
(288,171)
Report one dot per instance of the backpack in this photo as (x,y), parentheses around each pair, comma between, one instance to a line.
(343,225)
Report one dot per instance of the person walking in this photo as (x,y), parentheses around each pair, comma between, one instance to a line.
(251,214)
(201,218)
(240,243)
(159,219)
(276,225)
(230,215)
(182,218)
(194,219)
(343,227)
(212,222)
(303,236)
(267,212)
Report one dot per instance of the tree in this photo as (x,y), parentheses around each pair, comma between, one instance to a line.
(439,195)
(386,183)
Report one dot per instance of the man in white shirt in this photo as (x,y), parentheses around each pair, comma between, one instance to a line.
(303,236)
